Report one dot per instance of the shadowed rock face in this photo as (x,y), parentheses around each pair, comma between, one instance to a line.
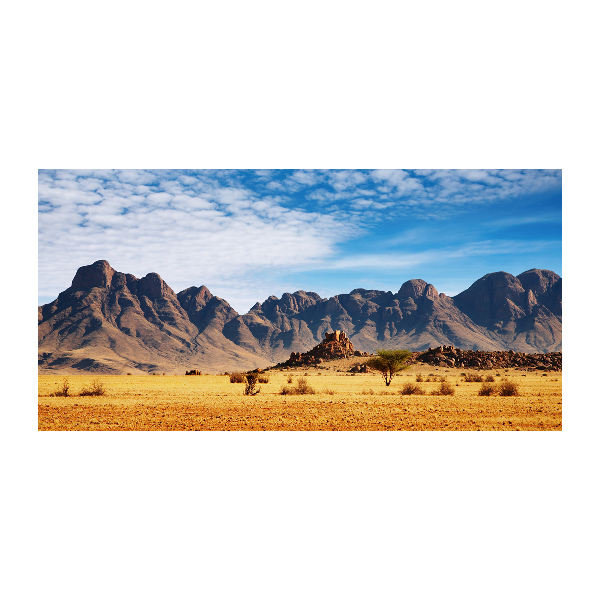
(125,323)
(205,310)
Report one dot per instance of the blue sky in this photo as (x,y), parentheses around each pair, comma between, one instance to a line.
(248,234)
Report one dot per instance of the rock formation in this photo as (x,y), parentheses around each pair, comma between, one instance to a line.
(448,356)
(334,345)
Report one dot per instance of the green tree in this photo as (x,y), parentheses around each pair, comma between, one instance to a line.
(389,363)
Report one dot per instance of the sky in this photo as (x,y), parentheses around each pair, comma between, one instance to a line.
(250,234)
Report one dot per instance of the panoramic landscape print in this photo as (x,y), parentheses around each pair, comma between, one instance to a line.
(333,300)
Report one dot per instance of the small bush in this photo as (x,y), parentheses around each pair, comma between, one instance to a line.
(129,373)
(329,392)
(473,378)
(263,379)
(490,378)
(237,377)
(64,390)
(97,389)
(301,387)
(487,390)
(509,388)
(445,389)
(411,388)
(290,379)
(419,377)
(251,379)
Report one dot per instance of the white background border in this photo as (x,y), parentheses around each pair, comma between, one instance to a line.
(311,85)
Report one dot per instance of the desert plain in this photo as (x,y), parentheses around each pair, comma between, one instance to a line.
(342,402)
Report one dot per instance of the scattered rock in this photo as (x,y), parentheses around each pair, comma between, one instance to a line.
(444,356)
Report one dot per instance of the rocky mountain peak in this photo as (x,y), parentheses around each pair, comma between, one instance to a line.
(154,287)
(538,280)
(194,298)
(98,274)
(415,288)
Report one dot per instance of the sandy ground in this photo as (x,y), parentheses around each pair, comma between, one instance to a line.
(342,402)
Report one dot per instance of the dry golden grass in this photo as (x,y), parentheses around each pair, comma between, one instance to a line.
(342,402)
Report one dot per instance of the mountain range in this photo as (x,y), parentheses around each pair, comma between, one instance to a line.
(112,322)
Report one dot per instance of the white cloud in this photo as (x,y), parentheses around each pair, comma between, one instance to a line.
(402,260)
(305,177)
(225,235)
(159,199)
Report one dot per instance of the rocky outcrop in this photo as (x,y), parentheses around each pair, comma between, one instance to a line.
(335,345)
(448,356)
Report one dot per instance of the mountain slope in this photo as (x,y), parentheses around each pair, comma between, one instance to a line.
(112,321)
(525,312)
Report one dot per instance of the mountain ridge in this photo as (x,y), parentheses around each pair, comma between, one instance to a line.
(110,321)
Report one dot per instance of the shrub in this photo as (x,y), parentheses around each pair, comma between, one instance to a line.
(419,377)
(290,379)
(411,388)
(97,389)
(64,390)
(251,379)
(473,378)
(263,379)
(445,389)
(489,378)
(487,390)
(302,387)
(509,388)
(237,377)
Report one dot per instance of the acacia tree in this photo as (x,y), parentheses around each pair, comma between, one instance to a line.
(389,363)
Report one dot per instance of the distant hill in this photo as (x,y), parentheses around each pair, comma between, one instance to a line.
(108,321)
